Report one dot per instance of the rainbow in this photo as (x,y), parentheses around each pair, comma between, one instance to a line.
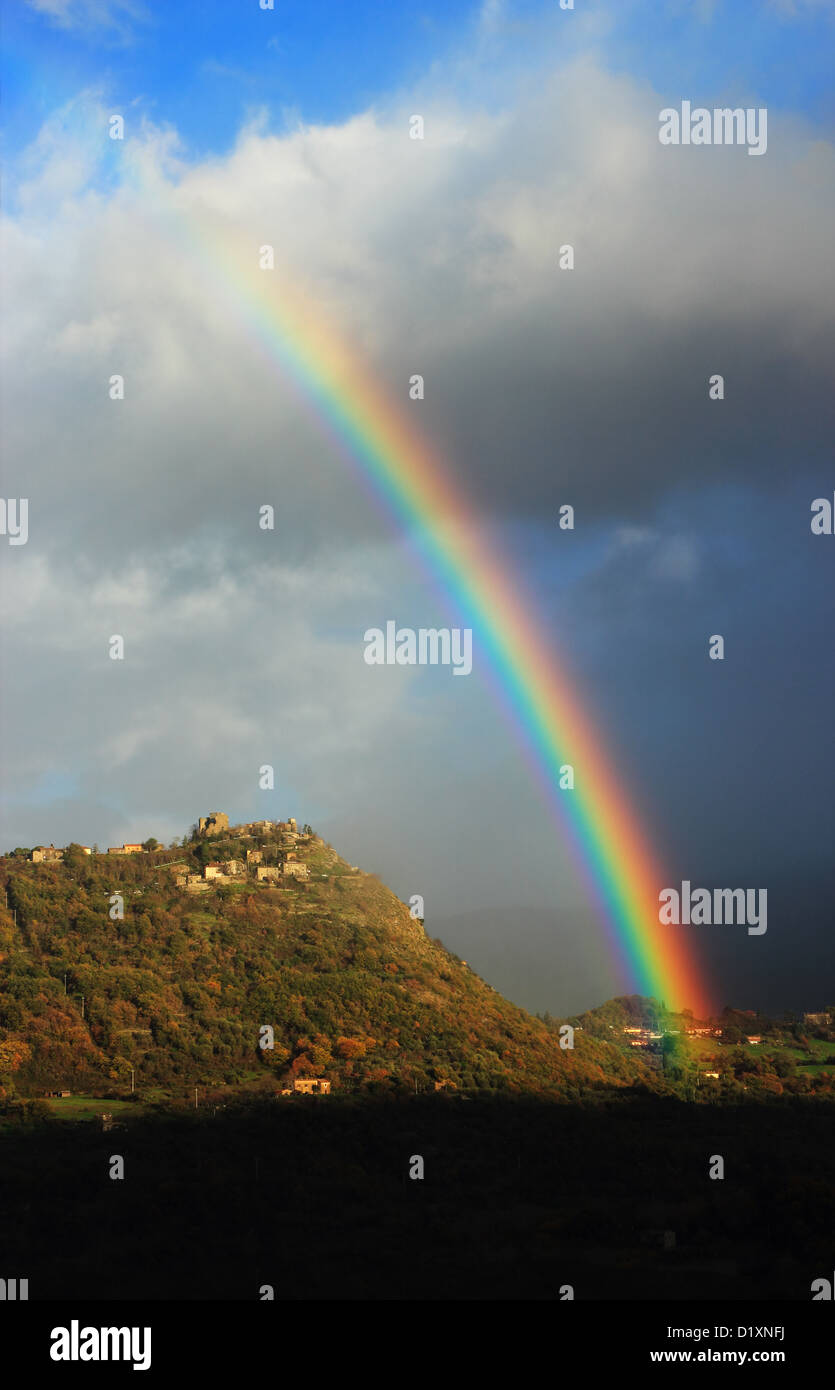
(403,473)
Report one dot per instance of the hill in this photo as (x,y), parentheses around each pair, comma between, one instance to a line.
(168,965)
(741,1055)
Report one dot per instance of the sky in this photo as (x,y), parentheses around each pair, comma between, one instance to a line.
(244,647)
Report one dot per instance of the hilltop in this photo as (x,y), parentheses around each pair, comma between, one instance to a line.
(166,966)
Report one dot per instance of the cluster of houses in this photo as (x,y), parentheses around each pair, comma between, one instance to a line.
(642,1037)
(217,823)
(651,1037)
(48,854)
(227,871)
(237,869)
(645,1037)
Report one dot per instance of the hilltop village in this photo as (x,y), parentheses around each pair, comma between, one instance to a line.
(275,857)
(169,961)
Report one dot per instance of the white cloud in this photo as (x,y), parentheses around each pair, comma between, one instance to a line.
(438,255)
(793,9)
(114,16)
(492,15)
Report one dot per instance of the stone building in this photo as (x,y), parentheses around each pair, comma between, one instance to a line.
(46,854)
(296,870)
(253,827)
(268,873)
(311,1086)
(213,824)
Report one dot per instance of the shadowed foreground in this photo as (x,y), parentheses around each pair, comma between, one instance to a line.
(519,1198)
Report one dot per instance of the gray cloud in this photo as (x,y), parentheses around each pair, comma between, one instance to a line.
(440,257)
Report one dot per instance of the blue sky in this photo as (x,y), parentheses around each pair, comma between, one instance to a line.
(206,65)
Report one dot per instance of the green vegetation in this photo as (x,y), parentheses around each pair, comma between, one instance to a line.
(175,988)
(179,987)
(77,1107)
(791,1058)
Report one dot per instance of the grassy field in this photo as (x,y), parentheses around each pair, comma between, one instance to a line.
(814,1059)
(89,1107)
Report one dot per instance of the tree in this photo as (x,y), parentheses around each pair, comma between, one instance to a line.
(151,844)
(120,1069)
(671,1053)
(13,1053)
(74,857)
